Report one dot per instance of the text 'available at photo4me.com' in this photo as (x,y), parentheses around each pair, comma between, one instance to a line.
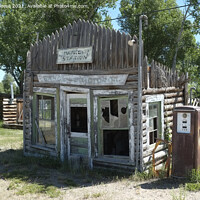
(39,6)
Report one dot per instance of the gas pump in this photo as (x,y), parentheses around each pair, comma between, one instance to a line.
(185,140)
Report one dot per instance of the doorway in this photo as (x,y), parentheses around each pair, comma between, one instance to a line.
(77,125)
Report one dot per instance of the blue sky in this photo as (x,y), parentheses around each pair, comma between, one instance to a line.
(114,13)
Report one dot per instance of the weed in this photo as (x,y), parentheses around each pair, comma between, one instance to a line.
(52,191)
(34,188)
(192,186)
(181,195)
(141,176)
(194,176)
(193,180)
(70,183)
(96,195)
(86,196)
(14,184)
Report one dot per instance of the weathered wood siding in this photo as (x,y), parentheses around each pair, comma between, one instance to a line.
(12,112)
(157,75)
(173,97)
(158,79)
(110,49)
(1,108)
(9,111)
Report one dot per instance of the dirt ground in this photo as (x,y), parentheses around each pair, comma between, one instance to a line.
(17,172)
(115,190)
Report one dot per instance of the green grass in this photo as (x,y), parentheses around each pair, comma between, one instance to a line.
(1,124)
(23,188)
(11,139)
(193,183)
(141,176)
(70,183)
(180,196)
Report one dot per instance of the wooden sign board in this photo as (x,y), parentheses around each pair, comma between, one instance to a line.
(75,55)
(90,80)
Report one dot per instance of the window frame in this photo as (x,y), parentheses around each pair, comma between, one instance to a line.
(49,92)
(155,99)
(97,94)
(101,129)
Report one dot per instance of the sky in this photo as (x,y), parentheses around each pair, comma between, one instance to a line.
(114,13)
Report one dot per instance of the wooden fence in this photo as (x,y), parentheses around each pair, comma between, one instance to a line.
(12,112)
(110,48)
(157,75)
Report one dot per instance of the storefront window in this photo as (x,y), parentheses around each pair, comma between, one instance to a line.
(45,121)
(114,126)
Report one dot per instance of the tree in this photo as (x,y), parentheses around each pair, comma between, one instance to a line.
(1,88)
(23,19)
(160,37)
(7,80)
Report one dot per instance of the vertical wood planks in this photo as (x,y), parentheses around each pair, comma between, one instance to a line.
(118,58)
(103,51)
(152,75)
(65,34)
(48,52)
(40,64)
(114,49)
(52,50)
(94,43)
(89,32)
(34,56)
(162,76)
(110,48)
(122,50)
(55,51)
(44,43)
(126,51)
(31,56)
(60,43)
(74,42)
(100,35)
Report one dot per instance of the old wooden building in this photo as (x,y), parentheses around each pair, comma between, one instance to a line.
(11,111)
(81,99)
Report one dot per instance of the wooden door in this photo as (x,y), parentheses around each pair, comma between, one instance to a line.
(77,125)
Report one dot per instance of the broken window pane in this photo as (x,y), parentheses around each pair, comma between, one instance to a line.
(114,107)
(105,113)
(114,113)
(123,117)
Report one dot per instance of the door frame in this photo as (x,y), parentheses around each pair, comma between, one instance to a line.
(68,117)
(64,92)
